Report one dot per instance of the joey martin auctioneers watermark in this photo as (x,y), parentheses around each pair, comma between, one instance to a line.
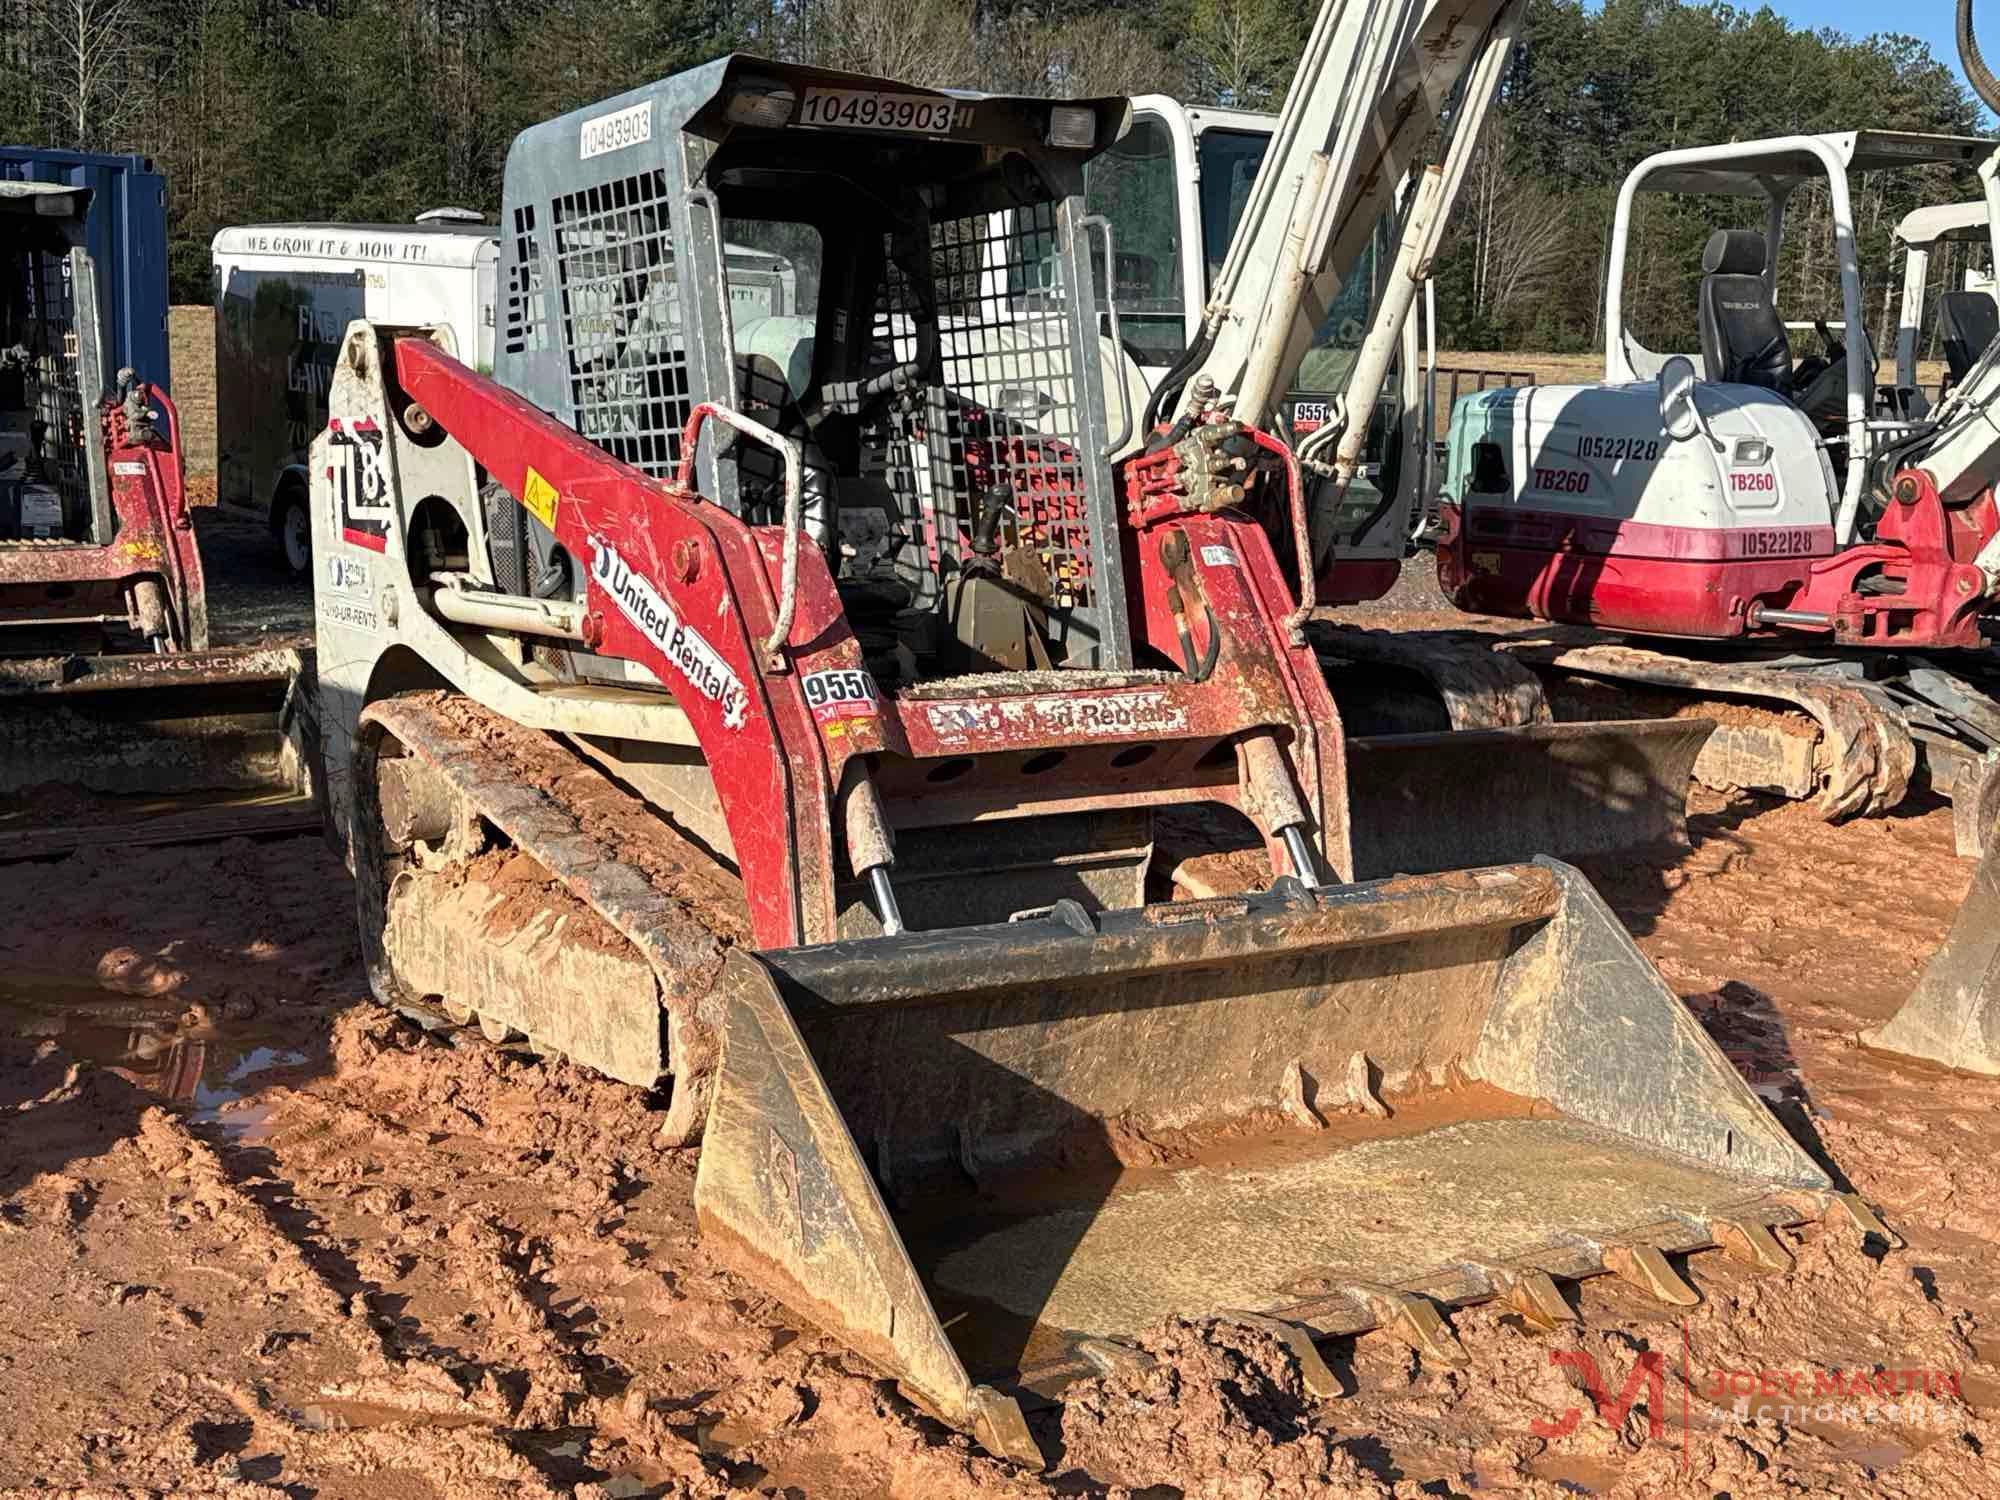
(1907,1397)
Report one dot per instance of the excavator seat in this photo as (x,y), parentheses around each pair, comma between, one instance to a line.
(1968,322)
(1744,341)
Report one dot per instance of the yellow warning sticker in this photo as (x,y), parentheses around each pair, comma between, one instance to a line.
(540,497)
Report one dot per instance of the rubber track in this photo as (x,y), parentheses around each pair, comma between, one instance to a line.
(462,742)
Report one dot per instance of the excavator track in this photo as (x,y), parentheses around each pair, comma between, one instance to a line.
(1430,713)
(1850,743)
(604,947)
(1862,764)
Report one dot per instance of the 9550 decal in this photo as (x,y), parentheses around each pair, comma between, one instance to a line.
(841,693)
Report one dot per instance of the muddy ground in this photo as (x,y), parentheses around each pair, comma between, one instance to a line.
(258,1237)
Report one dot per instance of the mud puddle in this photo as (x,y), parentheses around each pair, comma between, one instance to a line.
(181,1052)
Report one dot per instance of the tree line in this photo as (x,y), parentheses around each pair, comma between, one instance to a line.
(374,110)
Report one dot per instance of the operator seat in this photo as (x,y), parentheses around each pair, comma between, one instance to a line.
(1744,340)
(1968,322)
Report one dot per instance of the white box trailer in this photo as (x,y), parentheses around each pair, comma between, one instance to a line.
(284,295)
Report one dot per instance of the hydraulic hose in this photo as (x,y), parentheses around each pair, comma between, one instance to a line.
(1171,383)
(1984,84)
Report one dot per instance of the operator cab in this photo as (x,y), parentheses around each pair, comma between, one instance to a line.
(1958,323)
(924,355)
(1744,337)
(48,481)
(1172,192)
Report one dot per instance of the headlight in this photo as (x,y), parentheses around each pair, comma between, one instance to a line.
(767,104)
(1072,126)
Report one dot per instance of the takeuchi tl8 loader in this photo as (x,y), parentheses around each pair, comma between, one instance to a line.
(107,683)
(786,735)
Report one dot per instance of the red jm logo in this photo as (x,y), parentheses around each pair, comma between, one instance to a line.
(1648,1371)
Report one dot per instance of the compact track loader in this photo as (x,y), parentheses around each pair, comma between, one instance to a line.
(109,691)
(785,732)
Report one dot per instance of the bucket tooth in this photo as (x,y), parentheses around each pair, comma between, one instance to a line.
(1645,1267)
(1414,1320)
(999,1428)
(1847,1211)
(1531,1293)
(1752,1243)
(1294,1101)
(1361,1087)
(1114,1356)
(1314,1372)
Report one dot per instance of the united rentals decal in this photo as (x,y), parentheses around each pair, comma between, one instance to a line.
(682,645)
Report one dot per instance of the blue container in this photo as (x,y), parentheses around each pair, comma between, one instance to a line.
(127,238)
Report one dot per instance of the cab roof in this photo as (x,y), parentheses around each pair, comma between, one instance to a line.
(1755,169)
(1943,221)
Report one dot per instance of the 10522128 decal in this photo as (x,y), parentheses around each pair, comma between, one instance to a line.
(1614,447)
(1790,541)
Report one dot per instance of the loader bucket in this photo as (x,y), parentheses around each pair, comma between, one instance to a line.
(1569,790)
(991,1157)
(160,747)
(1953,1015)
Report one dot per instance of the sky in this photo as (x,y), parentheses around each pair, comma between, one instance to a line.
(1931,20)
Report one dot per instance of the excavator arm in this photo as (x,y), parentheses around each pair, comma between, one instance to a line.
(1372,90)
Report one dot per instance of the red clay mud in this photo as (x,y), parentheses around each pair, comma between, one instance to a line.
(263,1237)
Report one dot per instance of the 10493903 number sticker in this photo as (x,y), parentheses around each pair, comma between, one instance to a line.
(868,109)
(841,693)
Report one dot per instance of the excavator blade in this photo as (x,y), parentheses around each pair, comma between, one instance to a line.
(1569,790)
(992,1157)
(154,748)
(1953,1015)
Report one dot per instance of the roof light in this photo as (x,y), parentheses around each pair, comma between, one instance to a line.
(1073,125)
(761,103)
